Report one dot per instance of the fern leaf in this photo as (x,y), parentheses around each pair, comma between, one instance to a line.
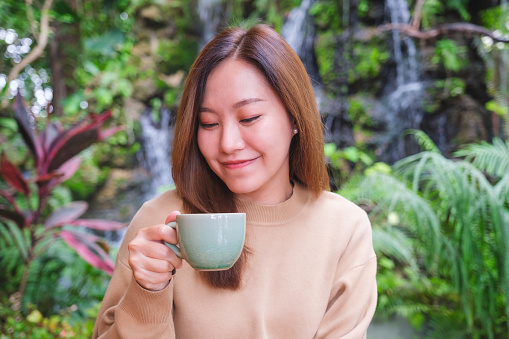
(423,140)
(391,194)
(394,243)
(492,158)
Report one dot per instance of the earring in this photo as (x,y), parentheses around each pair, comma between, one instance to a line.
(295,131)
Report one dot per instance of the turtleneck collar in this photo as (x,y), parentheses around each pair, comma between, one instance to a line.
(275,214)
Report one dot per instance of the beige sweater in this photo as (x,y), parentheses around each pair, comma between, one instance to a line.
(310,274)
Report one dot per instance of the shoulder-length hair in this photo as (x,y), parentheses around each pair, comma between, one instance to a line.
(201,190)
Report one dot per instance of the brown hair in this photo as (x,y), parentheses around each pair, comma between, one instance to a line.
(201,190)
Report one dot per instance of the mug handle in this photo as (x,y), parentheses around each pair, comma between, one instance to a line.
(174,248)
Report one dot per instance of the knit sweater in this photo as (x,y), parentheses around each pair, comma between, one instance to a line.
(310,273)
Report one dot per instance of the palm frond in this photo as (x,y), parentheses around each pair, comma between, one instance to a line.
(449,325)
(492,158)
(423,140)
(394,243)
(390,194)
(451,186)
(502,189)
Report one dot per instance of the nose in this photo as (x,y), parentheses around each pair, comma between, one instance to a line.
(231,138)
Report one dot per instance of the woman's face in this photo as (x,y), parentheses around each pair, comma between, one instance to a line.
(245,132)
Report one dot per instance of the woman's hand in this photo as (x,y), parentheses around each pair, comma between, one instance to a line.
(150,259)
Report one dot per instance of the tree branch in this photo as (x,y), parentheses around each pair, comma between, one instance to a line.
(416,20)
(441,30)
(42,42)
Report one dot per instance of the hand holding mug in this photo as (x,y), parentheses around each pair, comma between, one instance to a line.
(209,241)
(151,261)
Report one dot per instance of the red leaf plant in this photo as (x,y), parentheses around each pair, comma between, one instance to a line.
(54,151)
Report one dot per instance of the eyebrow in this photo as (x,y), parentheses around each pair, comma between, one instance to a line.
(236,105)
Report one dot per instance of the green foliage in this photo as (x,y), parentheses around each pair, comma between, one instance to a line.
(363,8)
(491,158)
(327,16)
(37,213)
(368,60)
(434,12)
(494,18)
(493,106)
(358,111)
(89,176)
(14,324)
(325,51)
(10,13)
(452,224)
(345,162)
(448,53)
(423,140)
(177,55)
(442,90)
(460,6)
(430,11)
(107,83)
(105,44)
(450,87)
(249,12)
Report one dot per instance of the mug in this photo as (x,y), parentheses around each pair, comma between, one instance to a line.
(210,241)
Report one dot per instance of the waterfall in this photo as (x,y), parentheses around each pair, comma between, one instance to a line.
(299,32)
(157,138)
(210,12)
(403,101)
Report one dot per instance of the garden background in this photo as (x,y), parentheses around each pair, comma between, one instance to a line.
(414,97)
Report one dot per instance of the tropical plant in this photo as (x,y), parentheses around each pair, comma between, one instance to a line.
(491,158)
(343,162)
(27,220)
(35,325)
(457,222)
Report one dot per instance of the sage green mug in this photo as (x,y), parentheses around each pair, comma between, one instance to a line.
(209,242)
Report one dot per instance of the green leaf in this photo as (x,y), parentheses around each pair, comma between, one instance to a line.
(378,167)
(498,109)
(423,140)
(330,149)
(492,158)
(35,317)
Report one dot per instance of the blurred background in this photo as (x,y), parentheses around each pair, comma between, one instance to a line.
(414,100)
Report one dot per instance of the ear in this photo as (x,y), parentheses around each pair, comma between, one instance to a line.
(295,127)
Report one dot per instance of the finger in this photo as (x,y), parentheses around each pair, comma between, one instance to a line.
(150,264)
(152,281)
(172,216)
(161,252)
(159,233)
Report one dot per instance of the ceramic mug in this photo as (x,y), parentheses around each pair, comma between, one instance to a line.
(209,242)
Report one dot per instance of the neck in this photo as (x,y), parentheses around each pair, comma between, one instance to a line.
(269,198)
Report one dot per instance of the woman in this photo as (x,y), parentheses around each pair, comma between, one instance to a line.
(248,138)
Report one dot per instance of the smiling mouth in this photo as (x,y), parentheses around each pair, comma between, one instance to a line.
(238,163)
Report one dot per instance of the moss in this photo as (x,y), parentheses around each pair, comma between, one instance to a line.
(368,61)
(326,15)
(358,111)
(325,50)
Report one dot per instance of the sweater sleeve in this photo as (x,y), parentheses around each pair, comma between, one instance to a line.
(353,296)
(128,310)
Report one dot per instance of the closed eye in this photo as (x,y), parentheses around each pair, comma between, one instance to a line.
(249,120)
(208,126)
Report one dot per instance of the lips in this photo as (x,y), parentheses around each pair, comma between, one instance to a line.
(235,164)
